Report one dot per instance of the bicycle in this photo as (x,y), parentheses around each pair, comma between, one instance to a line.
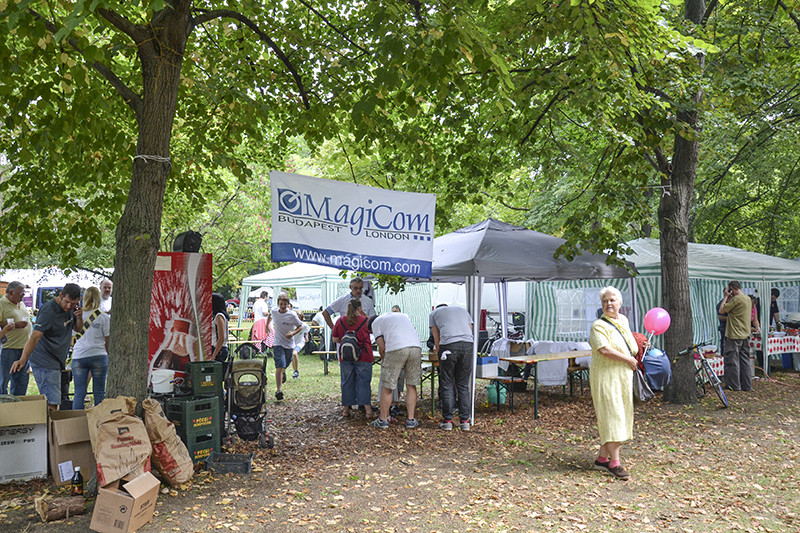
(704,374)
(514,333)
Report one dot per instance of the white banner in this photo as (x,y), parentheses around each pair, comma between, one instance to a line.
(352,227)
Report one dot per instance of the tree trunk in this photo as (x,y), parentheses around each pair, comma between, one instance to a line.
(139,230)
(673,221)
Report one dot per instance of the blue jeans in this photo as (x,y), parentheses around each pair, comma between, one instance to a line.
(455,378)
(356,378)
(48,381)
(98,364)
(18,380)
(282,356)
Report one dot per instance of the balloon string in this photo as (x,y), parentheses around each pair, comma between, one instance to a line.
(650,337)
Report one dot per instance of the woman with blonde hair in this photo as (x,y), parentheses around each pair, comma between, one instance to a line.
(611,381)
(90,351)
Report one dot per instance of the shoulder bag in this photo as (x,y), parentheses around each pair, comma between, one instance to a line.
(641,389)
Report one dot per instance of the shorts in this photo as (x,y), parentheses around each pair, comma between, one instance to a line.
(49,383)
(282,356)
(299,346)
(393,362)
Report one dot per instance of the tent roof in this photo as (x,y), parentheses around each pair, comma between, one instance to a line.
(504,252)
(716,261)
(294,275)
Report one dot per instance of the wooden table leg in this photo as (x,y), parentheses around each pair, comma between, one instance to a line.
(535,391)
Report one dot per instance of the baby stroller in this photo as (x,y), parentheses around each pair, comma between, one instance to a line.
(245,386)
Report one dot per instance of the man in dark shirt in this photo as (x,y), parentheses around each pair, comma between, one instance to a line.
(774,312)
(723,321)
(48,345)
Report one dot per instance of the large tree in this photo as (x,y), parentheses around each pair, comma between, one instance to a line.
(106,103)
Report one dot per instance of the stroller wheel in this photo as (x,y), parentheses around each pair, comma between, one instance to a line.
(266,441)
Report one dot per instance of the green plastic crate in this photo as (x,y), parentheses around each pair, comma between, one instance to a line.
(201,446)
(203,377)
(195,416)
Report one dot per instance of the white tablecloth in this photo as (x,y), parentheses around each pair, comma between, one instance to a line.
(777,345)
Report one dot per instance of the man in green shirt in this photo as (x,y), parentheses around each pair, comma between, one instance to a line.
(736,350)
(15,321)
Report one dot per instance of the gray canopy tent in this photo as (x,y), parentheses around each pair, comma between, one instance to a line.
(495,252)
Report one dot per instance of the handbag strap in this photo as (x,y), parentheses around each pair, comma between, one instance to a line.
(624,340)
(86,325)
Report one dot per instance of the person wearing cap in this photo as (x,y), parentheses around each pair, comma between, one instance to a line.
(15,320)
(49,344)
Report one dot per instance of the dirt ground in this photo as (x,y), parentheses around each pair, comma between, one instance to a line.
(695,468)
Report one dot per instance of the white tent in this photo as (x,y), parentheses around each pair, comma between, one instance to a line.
(296,275)
(415,301)
(493,251)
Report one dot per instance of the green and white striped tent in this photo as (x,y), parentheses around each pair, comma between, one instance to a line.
(565,310)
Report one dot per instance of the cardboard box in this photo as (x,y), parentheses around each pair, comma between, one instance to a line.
(126,504)
(69,446)
(487,366)
(23,439)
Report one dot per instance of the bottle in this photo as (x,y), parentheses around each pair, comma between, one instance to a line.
(175,351)
(77,482)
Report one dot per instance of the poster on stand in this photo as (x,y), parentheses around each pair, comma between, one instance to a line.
(180,312)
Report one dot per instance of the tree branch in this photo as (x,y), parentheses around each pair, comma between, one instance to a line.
(503,203)
(137,33)
(709,11)
(791,14)
(207,16)
(133,100)
(334,28)
(219,276)
(550,104)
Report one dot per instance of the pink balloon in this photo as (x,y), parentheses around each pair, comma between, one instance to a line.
(657,321)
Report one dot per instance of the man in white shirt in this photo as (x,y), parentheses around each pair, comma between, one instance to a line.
(339,306)
(106,286)
(261,307)
(398,343)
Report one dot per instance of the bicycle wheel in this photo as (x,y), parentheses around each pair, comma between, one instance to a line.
(700,383)
(715,382)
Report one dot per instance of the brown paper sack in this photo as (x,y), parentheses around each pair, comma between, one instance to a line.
(109,406)
(122,447)
(170,455)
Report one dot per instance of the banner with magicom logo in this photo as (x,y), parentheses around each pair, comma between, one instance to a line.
(351,226)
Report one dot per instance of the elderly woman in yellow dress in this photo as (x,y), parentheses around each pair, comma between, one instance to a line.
(611,380)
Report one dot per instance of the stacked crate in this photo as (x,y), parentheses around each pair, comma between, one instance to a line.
(199,415)
(197,422)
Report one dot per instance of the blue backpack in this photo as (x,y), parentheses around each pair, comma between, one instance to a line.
(657,369)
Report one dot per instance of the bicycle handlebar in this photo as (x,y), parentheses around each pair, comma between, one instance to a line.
(692,348)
